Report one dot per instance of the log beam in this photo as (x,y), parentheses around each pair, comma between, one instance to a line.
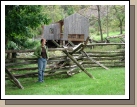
(74,60)
(13,79)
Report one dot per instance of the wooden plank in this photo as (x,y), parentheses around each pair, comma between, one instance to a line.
(76,39)
(85,43)
(101,52)
(20,69)
(56,69)
(31,74)
(35,74)
(76,48)
(75,61)
(76,24)
(99,55)
(71,43)
(19,51)
(106,52)
(101,44)
(57,57)
(84,53)
(21,59)
(16,82)
(32,50)
(71,71)
(94,60)
(95,65)
(11,60)
(24,63)
(115,62)
(101,58)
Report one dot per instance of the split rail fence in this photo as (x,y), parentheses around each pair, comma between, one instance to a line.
(73,61)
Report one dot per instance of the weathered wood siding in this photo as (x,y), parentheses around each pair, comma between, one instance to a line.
(73,24)
(76,24)
(56,31)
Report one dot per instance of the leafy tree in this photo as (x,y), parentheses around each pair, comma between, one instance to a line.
(21,22)
(120,15)
(70,9)
(54,12)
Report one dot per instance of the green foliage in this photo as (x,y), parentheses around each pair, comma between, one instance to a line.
(54,12)
(59,12)
(22,44)
(119,12)
(92,30)
(24,21)
(21,21)
(11,45)
(98,34)
(70,9)
(116,19)
(30,44)
(96,37)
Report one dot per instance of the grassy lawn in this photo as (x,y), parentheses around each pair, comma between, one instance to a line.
(97,37)
(106,82)
(104,48)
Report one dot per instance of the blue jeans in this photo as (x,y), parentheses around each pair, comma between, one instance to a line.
(41,68)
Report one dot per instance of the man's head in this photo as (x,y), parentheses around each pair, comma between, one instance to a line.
(43,41)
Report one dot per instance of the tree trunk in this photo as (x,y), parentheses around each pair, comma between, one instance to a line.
(120,20)
(99,22)
(107,22)
(121,32)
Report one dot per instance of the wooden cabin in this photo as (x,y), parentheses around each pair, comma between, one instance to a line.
(74,28)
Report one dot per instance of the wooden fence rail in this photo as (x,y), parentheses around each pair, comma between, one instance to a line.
(62,49)
(32,50)
(103,44)
(68,64)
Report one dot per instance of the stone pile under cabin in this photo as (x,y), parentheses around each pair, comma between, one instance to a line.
(74,28)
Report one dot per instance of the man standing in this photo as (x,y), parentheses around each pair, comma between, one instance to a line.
(42,54)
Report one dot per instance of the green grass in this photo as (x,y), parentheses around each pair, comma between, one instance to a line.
(101,48)
(106,82)
(97,37)
(104,48)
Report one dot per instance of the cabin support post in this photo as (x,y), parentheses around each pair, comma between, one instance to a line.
(63,42)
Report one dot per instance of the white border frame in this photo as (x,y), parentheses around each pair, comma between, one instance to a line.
(126,96)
